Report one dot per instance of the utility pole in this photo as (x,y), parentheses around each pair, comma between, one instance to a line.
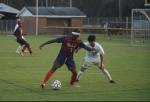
(36,17)
(46,3)
(70,3)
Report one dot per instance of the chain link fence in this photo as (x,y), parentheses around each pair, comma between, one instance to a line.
(7,26)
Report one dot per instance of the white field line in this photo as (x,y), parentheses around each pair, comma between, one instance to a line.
(94,73)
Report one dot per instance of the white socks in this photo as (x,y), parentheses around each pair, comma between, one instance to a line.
(107,74)
(79,75)
(18,49)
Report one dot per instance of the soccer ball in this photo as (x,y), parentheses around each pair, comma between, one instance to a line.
(56,85)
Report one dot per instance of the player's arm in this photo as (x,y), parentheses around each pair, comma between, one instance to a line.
(101,57)
(58,40)
(77,49)
(89,49)
(48,42)
(101,51)
(82,45)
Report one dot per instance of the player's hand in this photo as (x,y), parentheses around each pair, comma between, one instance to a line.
(15,38)
(41,46)
(102,67)
(76,51)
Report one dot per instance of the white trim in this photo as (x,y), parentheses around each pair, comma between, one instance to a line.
(22,11)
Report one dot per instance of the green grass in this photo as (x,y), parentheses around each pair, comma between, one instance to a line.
(20,77)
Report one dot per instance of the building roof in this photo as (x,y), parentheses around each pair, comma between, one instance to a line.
(6,8)
(51,12)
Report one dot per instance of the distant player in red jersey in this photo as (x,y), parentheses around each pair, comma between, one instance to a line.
(65,56)
(18,34)
(20,46)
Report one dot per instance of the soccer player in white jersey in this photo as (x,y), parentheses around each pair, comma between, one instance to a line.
(93,58)
(20,46)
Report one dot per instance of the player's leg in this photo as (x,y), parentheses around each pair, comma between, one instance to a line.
(72,67)
(80,74)
(107,75)
(105,72)
(85,65)
(49,74)
(21,42)
(24,50)
(18,49)
(73,78)
(57,64)
(24,45)
(27,46)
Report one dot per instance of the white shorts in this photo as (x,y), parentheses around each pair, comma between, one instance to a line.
(88,65)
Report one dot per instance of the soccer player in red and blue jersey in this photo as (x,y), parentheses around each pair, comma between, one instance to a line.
(65,56)
(18,34)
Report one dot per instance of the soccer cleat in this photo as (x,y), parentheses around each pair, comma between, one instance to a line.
(21,53)
(76,80)
(42,85)
(33,53)
(17,52)
(25,51)
(73,85)
(111,81)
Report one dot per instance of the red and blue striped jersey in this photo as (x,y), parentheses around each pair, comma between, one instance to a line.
(18,32)
(69,45)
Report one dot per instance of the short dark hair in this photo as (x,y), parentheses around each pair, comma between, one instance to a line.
(76,30)
(91,38)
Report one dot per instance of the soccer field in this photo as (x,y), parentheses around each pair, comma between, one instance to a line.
(21,76)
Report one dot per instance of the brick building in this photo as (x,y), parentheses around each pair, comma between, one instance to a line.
(50,16)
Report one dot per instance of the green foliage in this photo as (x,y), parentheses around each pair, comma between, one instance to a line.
(20,77)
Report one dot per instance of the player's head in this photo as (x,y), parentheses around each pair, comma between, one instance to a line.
(20,23)
(18,20)
(75,34)
(92,40)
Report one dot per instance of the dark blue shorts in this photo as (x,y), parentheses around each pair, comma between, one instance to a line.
(22,41)
(62,59)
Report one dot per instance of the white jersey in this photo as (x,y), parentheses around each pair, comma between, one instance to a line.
(93,56)
(16,28)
